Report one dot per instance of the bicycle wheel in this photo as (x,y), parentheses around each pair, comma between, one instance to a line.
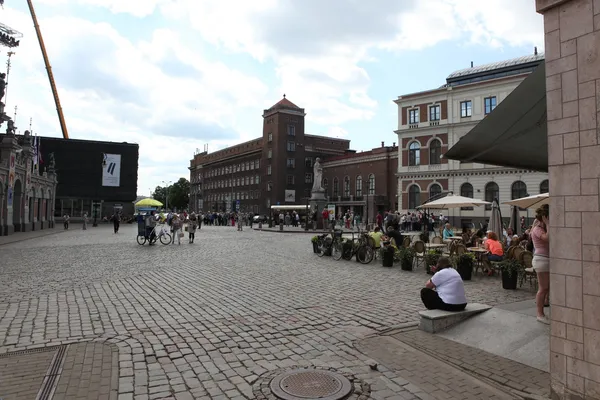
(165,238)
(336,251)
(141,240)
(321,247)
(365,254)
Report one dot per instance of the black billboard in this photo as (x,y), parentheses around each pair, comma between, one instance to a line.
(80,164)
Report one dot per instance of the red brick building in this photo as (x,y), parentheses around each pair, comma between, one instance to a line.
(364,182)
(276,168)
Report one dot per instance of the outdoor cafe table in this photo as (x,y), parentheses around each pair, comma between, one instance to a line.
(435,245)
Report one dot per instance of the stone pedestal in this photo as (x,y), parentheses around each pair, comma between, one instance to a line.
(318,202)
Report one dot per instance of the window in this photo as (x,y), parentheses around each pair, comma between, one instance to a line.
(291,146)
(372,184)
(257,179)
(434,190)
(247,180)
(257,194)
(308,178)
(270,153)
(466,109)
(489,104)
(492,192)
(435,152)
(336,187)
(247,166)
(359,187)
(434,112)
(346,186)
(269,170)
(291,130)
(413,116)
(414,154)
(325,184)
(518,190)
(257,164)
(544,187)
(308,162)
(414,197)
(291,163)
(290,179)
(269,186)
(466,190)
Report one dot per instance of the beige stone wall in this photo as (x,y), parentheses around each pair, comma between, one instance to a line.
(572,32)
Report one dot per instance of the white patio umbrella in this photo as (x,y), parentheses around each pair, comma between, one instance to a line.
(452,201)
(530,201)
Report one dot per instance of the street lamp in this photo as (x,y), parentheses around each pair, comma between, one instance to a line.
(167,186)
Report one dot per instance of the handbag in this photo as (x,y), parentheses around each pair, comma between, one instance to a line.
(180,234)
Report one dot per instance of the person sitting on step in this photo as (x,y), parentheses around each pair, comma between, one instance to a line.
(445,290)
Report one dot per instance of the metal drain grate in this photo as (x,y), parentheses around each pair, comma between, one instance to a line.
(311,384)
(53,374)
(30,351)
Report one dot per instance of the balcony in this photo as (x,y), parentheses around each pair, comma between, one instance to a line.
(434,123)
(413,126)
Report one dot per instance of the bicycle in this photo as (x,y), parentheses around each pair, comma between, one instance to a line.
(361,248)
(162,235)
(331,245)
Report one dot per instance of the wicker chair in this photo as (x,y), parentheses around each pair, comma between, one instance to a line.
(420,249)
(510,252)
(437,240)
(460,249)
(526,258)
(406,242)
(516,254)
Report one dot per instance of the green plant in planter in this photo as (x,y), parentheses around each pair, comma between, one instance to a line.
(314,239)
(431,259)
(511,266)
(407,255)
(466,260)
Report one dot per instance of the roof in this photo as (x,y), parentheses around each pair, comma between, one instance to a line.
(514,62)
(284,103)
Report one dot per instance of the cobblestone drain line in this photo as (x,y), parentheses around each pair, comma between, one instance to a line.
(204,321)
(53,374)
(426,376)
(22,374)
(520,378)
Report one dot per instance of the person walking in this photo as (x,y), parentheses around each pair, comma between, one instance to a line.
(177,232)
(66,221)
(85,221)
(192,225)
(116,219)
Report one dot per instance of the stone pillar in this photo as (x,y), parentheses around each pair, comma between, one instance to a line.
(572,37)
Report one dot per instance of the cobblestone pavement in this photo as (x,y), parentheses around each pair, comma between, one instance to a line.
(207,320)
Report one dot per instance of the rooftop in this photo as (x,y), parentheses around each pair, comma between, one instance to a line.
(490,70)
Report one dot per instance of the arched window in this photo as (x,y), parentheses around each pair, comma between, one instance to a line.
(414,154)
(434,190)
(435,152)
(325,186)
(466,190)
(518,190)
(359,187)
(492,191)
(414,197)
(544,187)
(346,186)
(371,184)
(336,187)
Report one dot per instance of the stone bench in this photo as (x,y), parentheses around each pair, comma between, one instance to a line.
(434,321)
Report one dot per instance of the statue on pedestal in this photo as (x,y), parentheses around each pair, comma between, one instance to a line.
(318,178)
(51,162)
(2,85)
(10,128)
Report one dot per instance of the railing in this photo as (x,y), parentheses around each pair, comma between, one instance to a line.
(434,123)
(413,126)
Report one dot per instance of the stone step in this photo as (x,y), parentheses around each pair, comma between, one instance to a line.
(434,321)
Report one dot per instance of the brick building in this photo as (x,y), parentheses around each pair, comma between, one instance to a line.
(363,182)
(276,168)
(431,122)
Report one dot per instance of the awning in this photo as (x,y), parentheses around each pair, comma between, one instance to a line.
(452,201)
(514,134)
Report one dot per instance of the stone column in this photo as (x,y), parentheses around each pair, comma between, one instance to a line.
(572,37)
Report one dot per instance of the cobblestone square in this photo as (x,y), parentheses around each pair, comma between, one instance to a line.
(209,319)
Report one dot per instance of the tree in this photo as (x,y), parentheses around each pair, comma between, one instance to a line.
(160,194)
(179,194)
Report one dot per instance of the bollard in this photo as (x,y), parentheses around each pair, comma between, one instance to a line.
(259,224)
(281,227)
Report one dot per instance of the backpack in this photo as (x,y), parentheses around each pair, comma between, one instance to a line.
(169,219)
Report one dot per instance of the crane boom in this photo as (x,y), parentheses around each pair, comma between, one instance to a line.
(61,117)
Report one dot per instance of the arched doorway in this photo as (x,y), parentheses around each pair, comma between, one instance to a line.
(18,206)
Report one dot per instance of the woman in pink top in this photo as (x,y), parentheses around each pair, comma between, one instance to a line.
(541,262)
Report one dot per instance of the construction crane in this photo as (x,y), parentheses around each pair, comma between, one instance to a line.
(61,117)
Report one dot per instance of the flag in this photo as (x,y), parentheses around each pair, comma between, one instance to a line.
(35,151)
(39,150)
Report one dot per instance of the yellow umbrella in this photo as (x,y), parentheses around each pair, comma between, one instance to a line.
(148,202)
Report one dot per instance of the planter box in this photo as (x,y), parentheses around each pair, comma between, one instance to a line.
(315,247)
(509,283)
(406,266)
(387,259)
(465,272)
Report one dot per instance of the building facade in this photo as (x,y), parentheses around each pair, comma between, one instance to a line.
(431,122)
(96,178)
(26,194)
(364,182)
(276,168)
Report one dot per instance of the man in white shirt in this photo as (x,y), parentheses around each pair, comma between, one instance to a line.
(445,289)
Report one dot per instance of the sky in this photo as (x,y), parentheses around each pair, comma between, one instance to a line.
(176,75)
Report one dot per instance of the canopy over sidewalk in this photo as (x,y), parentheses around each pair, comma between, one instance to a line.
(514,134)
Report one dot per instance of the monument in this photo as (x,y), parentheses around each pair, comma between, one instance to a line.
(318,201)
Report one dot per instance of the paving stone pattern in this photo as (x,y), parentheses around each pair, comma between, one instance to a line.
(21,375)
(208,320)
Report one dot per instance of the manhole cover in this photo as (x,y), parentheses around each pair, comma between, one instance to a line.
(311,384)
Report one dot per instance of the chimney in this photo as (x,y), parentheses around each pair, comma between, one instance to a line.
(471,64)
(382,144)
(535,51)
(394,144)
